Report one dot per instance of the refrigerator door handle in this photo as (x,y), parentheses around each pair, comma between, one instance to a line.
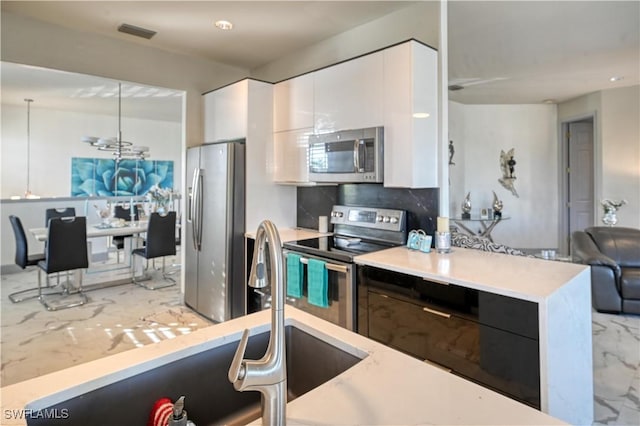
(199,206)
(193,206)
(190,197)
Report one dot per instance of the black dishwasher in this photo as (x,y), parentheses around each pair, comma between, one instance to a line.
(488,338)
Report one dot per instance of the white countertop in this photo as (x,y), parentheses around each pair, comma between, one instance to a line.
(517,276)
(294,234)
(386,387)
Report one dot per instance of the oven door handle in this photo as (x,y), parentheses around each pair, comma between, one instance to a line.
(330,266)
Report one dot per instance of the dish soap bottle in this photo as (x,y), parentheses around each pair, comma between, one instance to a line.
(179,416)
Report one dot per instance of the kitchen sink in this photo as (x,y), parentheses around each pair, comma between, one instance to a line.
(202,379)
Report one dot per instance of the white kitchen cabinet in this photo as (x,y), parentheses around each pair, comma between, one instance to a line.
(411,116)
(225,112)
(291,162)
(349,95)
(244,110)
(293,103)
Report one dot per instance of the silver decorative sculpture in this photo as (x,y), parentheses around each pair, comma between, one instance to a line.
(610,208)
(466,206)
(497,205)
(507,165)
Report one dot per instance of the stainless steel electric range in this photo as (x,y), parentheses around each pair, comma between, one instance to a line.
(357,230)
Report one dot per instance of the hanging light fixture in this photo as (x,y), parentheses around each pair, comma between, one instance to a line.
(27,193)
(120,149)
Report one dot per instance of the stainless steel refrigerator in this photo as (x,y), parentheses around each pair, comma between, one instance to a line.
(214,234)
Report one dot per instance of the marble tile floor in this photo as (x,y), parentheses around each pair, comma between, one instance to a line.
(35,342)
(616,369)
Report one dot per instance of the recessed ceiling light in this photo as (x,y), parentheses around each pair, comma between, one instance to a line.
(421,115)
(549,101)
(224,25)
(616,78)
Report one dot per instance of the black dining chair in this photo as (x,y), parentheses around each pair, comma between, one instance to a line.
(23,259)
(122,212)
(51,213)
(161,242)
(57,212)
(66,250)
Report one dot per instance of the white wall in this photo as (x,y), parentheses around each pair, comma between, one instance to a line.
(621,152)
(617,147)
(479,133)
(56,138)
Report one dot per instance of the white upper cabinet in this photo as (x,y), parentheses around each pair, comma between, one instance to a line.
(244,110)
(291,163)
(349,95)
(411,116)
(225,112)
(293,103)
(395,88)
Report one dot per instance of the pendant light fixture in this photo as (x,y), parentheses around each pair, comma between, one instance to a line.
(27,193)
(120,149)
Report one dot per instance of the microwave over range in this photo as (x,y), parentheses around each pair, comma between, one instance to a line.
(347,156)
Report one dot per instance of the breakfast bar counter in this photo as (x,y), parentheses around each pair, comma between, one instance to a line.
(386,387)
(557,293)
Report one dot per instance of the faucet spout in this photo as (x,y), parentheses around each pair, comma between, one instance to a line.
(268,375)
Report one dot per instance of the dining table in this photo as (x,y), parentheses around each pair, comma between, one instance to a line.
(105,274)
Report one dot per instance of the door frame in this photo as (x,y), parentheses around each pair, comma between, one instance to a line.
(563,180)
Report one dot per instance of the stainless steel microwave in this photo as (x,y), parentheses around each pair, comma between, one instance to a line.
(347,156)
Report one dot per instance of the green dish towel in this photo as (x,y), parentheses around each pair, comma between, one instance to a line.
(317,283)
(294,275)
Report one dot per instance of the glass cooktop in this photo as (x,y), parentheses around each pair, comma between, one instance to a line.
(336,247)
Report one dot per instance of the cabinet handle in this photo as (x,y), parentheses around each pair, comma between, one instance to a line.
(435,281)
(433,311)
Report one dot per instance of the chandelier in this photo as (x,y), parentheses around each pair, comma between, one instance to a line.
(120,149)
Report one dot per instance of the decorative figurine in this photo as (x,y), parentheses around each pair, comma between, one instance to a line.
(452,151)
(507,165)
(610,208)
(497,206)
(466,207)
(511,164)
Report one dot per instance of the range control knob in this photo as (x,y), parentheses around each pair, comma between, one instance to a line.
(334,214)
(378,218)
(339,214)
(386,219)
(393,219)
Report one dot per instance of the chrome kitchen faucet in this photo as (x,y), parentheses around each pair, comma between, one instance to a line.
(268,375)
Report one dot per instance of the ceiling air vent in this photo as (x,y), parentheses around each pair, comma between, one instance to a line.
(136,31)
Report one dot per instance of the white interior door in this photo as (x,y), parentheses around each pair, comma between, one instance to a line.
(581,176)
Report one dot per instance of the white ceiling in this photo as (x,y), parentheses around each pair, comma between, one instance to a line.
(503,51)
(539,50)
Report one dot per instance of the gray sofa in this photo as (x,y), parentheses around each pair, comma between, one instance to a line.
(614,256)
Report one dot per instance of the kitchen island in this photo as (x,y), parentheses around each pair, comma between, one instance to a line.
(555,296)
(386,387)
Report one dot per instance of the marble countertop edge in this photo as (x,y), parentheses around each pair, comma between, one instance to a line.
(516,276)
(385,387)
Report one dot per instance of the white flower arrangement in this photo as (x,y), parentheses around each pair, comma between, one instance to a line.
(161,197)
